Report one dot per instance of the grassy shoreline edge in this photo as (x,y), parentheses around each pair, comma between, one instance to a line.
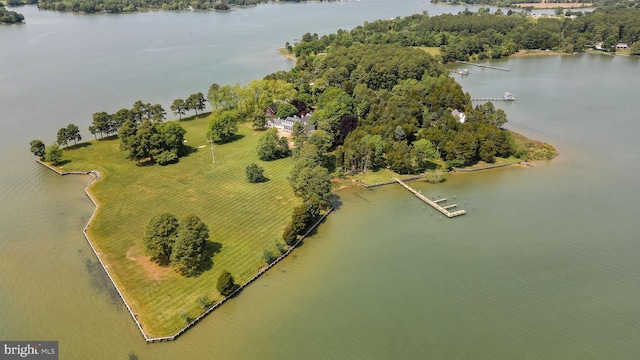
(148,339)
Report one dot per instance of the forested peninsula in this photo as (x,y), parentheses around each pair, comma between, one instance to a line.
(10,17)
(124,6)
(469,36)
(559,3)
(251,178)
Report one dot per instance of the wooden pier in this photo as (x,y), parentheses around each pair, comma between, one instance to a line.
(483,66)
(434,203)
(506,97)
(492,99)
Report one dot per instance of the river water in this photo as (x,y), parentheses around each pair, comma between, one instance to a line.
(545,264)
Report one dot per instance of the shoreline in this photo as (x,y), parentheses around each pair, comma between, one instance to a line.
(96,176)
(284,52)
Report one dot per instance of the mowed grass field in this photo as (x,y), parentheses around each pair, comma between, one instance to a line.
(244,219)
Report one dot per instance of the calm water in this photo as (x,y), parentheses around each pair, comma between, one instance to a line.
(544,266)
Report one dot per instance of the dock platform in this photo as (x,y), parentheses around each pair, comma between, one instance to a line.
(434,204)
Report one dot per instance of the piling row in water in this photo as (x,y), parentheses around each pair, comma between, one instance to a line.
(393,181)
(488,167)
(483,65)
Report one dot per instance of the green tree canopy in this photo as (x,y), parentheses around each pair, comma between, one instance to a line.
(159,237)
(223,126)
(38,148)
(271,146)
(73,133)
(285,110)
(179,107)
(255,173)
(226,284)
(189,248)
(53,154)
(313,185)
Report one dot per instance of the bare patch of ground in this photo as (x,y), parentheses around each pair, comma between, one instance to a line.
(153,270)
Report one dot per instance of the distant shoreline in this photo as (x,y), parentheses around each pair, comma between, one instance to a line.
(540,6)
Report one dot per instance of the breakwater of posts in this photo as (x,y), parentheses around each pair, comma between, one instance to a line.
(483,66)
(491,166)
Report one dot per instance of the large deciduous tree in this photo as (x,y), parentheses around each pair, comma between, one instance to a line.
(195,102)
(332,106)
(53,154)
(226,284)
(179,107)
(286,110)
(38,148)
(102,123)
(73,133)
(223,126)
(255,173)
(271,146)
(159,237)
(62,137)
(188,249)
(313,185)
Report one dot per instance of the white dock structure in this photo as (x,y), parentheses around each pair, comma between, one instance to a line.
(434,203)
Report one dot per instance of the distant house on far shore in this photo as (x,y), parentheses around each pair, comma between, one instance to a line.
(286,125)
(622,46)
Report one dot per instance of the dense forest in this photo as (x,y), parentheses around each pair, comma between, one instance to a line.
(120,6)
(507,3)
(396,107)
(485,35)
(9,17)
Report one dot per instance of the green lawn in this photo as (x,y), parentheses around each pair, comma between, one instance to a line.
(244,219)
(430,50)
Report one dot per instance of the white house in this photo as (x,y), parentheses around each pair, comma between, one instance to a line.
(286,125)
(458,115)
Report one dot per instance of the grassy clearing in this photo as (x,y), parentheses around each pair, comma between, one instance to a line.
(533,150)
(430,50)
(243,218)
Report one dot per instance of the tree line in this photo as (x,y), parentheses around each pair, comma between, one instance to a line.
(507,3)
(125,6)
(10,17)
(484,35)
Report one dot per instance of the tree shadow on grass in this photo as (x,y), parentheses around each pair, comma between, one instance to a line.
(210,249)
(194,117)
(62,162)
(145,163)
(79,146)
(235,137)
